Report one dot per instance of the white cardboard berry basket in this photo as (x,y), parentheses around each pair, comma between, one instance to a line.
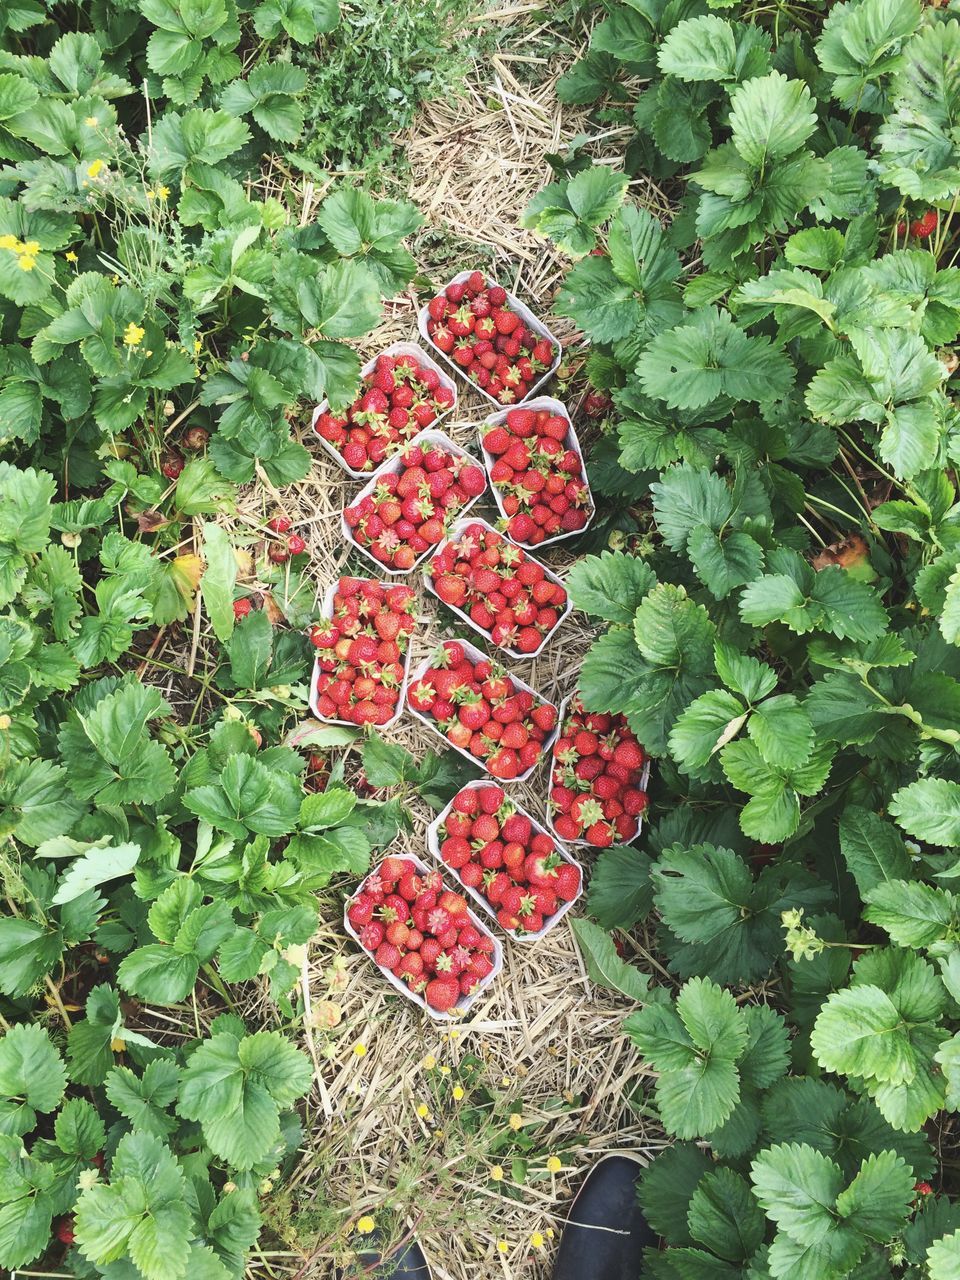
(435,839)
(525,314)
(326,614)
(642,783)
(465,1003)
(395,349)
(477,655)
(571,441)
(425,439)
(456,533)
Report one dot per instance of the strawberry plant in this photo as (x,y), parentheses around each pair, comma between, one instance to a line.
(164,323)
(781,637)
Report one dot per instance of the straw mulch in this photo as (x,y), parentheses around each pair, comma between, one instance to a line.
(543,1041)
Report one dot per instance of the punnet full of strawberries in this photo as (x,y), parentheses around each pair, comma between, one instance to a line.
(472,323)
(401,396)
(361,651)
(538,475)
(595,792)
(494,848)
(506,594)
(411,507)
(421,932)
(479,708)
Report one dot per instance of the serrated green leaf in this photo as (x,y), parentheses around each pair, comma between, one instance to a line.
(604,965)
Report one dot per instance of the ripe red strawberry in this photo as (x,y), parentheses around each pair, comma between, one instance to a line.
(442,994)
(280,524)
(926,225)
(241,608)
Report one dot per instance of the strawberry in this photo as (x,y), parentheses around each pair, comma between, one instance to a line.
(600,758)
(171,463)
(241,608)
(498,586)
(925,226)
(442,994)
(280,524)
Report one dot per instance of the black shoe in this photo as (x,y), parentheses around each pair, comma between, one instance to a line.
(407,1263)
(606,1233)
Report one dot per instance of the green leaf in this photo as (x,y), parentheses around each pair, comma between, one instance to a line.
(157,974)
(666,1187)
(219,580)
(604,966)
(879,1199)
(95,867)
(929,809)
(327,808)
(672,631)
(771,117)
(919,154)
(709,357)
(610,585)
(251,649)
(830,601)
(782,731)
(860,1032)
(701,48)
(706,725)
(248,796)
(141,1214)
(31,1069)
(695,1050)
(797,1187)
(236,1087)
(912,913)
(28,951)
(724,1216)
(79,1130)
(620,892)
(872,849)
(943,1257)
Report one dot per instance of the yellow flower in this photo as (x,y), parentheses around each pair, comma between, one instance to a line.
(94,169)
(366,1225)
(360,1050)
(150,195)
(454,1035)
(429,1062)
(516,1121)
(549,1233)
(26,262)
(502,1246)
(70,256)
(496,1173)
(554,1164)
(9,242)
(457,1092)
(423,1111)
(537,1240)
(197,346)
(162,193)
(133,335)
(444,1070)
(91,122)
(505,1081)
(30,246)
